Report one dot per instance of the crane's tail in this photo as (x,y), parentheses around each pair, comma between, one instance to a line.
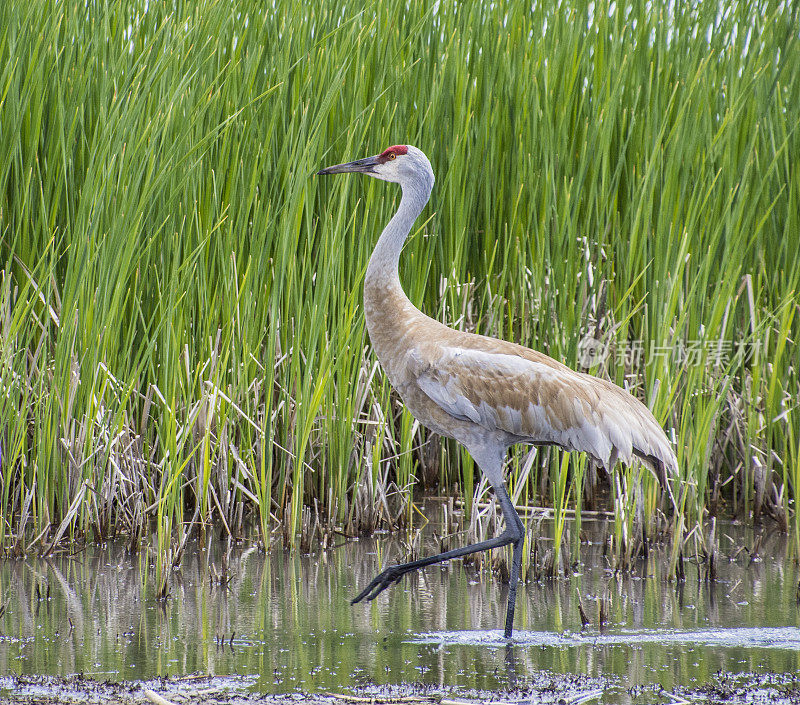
(632,430)
(664,469)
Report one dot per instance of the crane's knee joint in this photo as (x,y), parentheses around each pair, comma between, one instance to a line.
(515,531)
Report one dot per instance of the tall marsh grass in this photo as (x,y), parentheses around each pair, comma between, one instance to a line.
(182,345)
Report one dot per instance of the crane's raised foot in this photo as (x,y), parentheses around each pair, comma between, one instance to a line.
(383,580)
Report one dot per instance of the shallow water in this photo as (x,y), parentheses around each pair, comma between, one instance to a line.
(285,622)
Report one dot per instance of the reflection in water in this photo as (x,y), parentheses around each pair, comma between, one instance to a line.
(287,620)
(511,665)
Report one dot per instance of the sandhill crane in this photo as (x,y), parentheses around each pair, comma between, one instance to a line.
(485,393)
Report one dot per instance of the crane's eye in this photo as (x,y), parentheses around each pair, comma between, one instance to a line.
(392,156)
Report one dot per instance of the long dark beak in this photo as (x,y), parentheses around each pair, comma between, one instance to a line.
(360,166)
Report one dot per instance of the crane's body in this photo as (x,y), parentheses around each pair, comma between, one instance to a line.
(487,394)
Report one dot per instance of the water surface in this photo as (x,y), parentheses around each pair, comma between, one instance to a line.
(285,622)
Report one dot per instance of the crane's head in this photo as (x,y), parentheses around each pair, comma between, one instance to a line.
(402,164)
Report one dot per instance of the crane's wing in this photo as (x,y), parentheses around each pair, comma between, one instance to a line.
(544,402)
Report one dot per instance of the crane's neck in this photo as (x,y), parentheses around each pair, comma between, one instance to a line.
(382,273)
(388,312)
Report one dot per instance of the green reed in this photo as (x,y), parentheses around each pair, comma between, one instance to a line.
(180,320)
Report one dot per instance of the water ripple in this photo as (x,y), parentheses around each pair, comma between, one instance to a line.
(741,637)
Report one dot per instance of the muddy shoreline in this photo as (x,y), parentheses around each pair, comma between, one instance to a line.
(545,688)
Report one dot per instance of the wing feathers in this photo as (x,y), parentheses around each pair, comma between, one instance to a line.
(544,403)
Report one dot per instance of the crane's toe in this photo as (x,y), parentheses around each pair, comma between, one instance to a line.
(380,582)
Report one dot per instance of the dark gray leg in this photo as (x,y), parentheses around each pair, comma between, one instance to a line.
(392,574)
(514,533)
(516,563)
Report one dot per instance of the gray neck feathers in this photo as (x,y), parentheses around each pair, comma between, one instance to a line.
(382,268)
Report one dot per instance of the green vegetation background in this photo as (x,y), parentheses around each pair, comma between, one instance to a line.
(181,337)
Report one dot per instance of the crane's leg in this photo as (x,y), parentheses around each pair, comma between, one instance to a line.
(516,562)
(514,533)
